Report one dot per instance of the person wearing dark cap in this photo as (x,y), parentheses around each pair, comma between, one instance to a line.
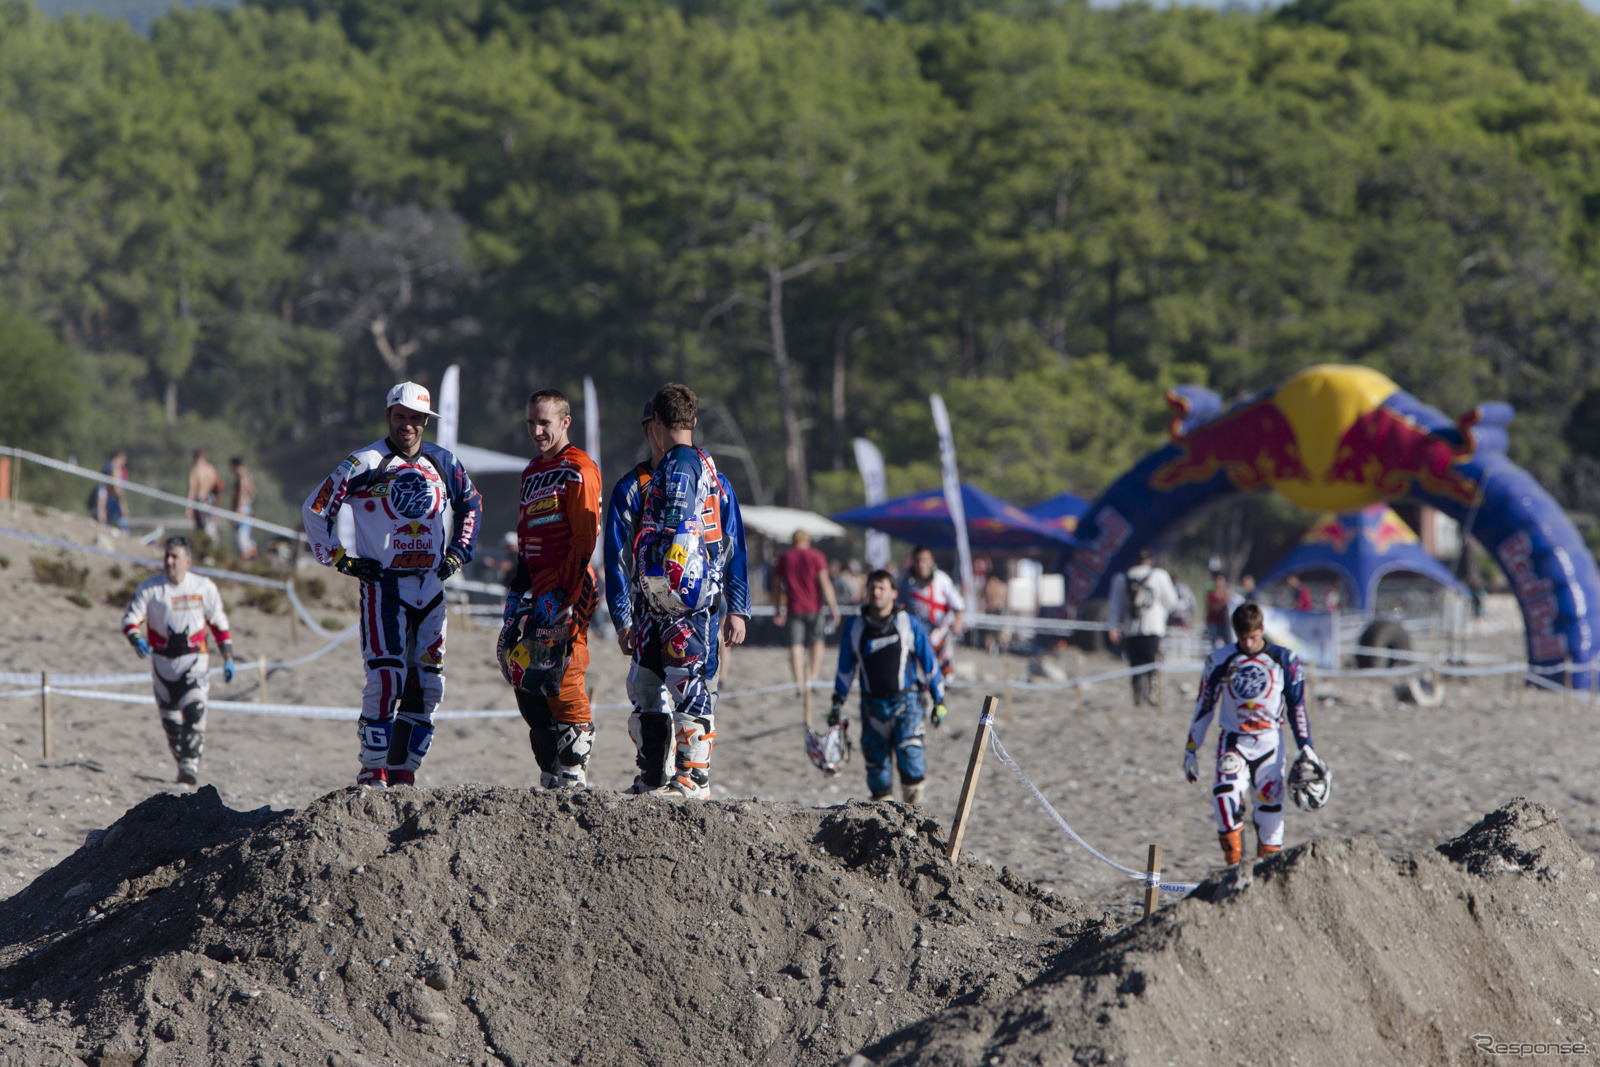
(1141,599)
(650,725)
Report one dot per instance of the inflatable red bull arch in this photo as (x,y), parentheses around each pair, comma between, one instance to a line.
(1340,438)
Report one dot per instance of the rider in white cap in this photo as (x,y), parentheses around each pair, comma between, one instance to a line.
(416,523)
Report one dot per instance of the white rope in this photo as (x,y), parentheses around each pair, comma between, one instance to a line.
(156,494)
(1143,876)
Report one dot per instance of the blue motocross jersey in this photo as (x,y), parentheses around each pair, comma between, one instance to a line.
(887,653)
(700,499)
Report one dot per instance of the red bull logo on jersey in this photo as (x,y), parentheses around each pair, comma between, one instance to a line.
(1330,439)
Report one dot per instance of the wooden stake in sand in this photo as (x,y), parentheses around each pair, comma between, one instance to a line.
(969,787)
(261,670)
(44,709)
(1152,875)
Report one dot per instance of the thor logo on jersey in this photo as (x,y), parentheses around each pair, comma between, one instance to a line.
(535,484)
(410,495)
(1250,681)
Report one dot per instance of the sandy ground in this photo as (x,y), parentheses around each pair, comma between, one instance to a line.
(1412,777)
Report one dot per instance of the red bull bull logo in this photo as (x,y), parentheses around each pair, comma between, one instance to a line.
(1390,530)
(1329,439)
(1387,452)
(1331,531)
(1254,445)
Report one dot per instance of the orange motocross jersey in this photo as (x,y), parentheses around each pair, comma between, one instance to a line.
(559,520)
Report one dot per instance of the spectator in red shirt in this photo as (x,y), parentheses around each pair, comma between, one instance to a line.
(801,583)
(1219,605)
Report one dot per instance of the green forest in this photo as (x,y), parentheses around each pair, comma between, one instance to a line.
(237,231)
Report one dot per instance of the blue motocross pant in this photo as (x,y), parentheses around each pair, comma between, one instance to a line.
(403,619)
(892,727)
(673,680)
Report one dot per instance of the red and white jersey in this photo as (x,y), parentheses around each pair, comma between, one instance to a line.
(407,512)
(176,615)
(933,601)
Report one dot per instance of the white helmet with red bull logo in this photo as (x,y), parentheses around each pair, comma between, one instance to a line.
(672,570)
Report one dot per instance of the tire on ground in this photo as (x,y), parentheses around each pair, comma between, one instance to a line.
(1383,633)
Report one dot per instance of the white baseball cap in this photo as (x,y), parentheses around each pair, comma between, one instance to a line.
(412,397)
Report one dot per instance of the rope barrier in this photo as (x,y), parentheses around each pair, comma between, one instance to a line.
(1143,876)
(154,494)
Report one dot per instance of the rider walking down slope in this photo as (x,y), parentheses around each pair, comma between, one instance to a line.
(1254,686)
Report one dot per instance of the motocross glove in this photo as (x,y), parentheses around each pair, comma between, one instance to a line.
(359,567)
(448,566)
(833,712)
(939,713)
(141,646)
(227,670)
(1191,766)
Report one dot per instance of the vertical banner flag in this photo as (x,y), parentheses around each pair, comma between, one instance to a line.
(952,492)
(870,462)
(448,404)
(591,445)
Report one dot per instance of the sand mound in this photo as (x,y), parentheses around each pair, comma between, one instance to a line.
(1330,953)
(508,927)
(492,926)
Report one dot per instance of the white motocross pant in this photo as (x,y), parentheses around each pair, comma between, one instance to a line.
(1253,764)
(403,617)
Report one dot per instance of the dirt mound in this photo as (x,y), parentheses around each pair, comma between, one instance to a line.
(1329,953)
(493,926)
(507,927)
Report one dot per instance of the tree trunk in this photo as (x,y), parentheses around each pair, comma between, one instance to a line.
(841,341)
(172,403)
(1113,271)
(1058,278)
(794,453)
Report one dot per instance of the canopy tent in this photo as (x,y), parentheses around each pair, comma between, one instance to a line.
(780,523)
(991,522)
(1060,512)
(1362,547)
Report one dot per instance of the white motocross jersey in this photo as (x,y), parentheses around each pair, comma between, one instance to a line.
(176,616)
(932,602)
(407,512)
(1252,694)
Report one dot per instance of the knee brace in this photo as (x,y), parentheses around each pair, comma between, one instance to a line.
(375,738)
(696,736)
(1269,825)
(194,730)
(542,739)
(652,739)
(409,741)
(573,740)
(172,724)
(1228,799)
